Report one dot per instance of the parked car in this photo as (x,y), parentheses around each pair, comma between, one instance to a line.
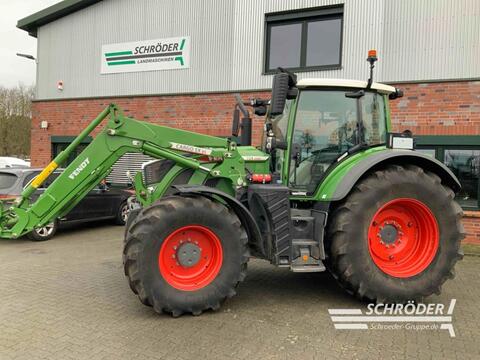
(103,202)
(11,162)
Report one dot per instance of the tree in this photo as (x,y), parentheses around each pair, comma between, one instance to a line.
(308,141)
(15,120)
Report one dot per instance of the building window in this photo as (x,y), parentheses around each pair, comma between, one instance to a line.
(60,143)
(465,165)
(462,156)
(305,40)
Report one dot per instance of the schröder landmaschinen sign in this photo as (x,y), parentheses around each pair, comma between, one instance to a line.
(146,55)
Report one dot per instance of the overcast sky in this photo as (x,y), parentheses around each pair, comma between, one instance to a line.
(13,69)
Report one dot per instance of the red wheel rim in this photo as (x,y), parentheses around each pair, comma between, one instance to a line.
(403,237)
(190,257)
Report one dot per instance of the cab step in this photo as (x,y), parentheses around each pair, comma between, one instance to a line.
(307,245)
(307,268)
(305,262)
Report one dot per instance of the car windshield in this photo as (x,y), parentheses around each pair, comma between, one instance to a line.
(7,180)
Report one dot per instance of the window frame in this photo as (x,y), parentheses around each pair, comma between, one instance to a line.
(440,143)
(303,16)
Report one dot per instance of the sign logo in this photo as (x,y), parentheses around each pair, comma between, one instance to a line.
(79,169)
(147,55)
(408,316)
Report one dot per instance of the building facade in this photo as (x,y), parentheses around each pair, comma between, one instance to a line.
(93,52)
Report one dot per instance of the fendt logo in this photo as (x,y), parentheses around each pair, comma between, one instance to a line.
(79,169)
(147,55)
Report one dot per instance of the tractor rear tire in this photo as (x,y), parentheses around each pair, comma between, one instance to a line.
(185,255)
(396,237)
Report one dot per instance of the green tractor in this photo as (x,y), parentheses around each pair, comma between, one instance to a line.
(332,187)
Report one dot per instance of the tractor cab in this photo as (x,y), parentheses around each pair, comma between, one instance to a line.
(313,124)
(326,121)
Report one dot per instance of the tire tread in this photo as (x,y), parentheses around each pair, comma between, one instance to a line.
(134,245)
(343,212)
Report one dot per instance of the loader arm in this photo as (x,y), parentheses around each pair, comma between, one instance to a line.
(121,135)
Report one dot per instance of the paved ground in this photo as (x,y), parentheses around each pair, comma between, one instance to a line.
(68,299)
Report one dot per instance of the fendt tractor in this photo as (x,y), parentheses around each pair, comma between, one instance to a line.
(331,187)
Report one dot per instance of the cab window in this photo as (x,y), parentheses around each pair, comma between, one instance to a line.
(326,126)
(373,118)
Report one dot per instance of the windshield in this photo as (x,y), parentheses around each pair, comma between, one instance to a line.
(326,126)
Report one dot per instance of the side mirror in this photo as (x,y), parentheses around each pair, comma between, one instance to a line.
(283,88)
(395,95)
(260,110)
(279,93)
(236,122)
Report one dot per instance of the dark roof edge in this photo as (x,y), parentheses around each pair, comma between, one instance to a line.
(33,22)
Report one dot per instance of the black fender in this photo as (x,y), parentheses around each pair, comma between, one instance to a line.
(399,157)
(248,222)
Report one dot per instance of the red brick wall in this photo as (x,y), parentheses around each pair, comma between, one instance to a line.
(449,108)
(208,114)
(471,222)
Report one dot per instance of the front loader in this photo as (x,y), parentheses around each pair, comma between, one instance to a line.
(332,187)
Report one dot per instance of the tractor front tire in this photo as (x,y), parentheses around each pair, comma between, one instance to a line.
(185,255)
(396,237)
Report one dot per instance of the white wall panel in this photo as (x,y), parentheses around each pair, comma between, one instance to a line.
(416,41)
